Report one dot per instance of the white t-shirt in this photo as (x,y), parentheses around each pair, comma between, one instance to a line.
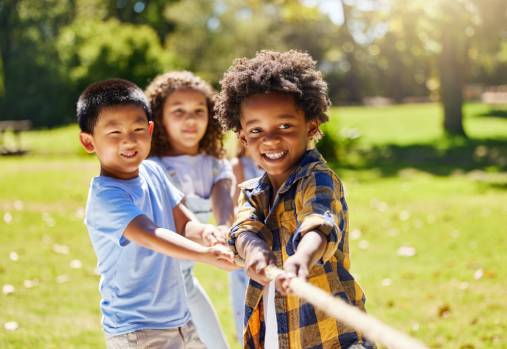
(271,325)
(196,174)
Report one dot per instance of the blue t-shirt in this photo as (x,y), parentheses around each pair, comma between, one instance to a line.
(140,288)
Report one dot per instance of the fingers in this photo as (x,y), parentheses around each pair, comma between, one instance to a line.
(257,271)
(293,267)
(214,236)
(210,239)
(222,252)
(283,281)
(222,234)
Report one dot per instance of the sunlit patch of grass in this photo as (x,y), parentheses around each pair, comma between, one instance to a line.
(427,245)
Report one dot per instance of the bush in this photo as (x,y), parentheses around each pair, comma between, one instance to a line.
(338,147)
(94,51)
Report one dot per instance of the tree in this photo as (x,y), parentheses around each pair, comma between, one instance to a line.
(32,79)
(443,33)
(89,52)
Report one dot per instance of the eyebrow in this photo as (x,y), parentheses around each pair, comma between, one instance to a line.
(141,118)
(282,117)
(180,102)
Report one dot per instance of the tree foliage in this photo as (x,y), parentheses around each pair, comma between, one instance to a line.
(392,48)
(93,51)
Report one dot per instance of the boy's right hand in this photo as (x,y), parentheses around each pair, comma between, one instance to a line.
(256,262)
(220,256)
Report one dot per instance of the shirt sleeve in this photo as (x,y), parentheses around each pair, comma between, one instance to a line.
(156,170)
(110,212)
(222,169)
(324,210)
(246,220)
(175,196)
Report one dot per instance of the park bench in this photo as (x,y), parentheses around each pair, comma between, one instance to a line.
(16,127)
(495,96)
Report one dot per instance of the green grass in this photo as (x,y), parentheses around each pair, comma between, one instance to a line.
(408,187)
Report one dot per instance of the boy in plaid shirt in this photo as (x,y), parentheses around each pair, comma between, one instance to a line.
(295,216)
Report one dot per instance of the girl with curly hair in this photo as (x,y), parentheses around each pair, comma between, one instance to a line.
(188,143)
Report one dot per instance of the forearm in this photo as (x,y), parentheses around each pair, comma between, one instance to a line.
(249,241)
(144,233)
(194,231)
(221,201)
(312,247)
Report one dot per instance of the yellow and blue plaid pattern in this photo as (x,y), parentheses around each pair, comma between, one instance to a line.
(312,198)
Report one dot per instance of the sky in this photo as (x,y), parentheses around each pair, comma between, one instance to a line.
(330,7)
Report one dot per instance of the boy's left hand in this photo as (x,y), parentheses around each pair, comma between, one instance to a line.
(297,265)
(213,235)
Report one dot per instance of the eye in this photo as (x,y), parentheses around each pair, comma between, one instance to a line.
(139,129)
(114,132)
(178,111)
(285,126)
(255,130)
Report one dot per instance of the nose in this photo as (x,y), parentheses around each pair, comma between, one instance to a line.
(271,138)
(130,138)
(190,118)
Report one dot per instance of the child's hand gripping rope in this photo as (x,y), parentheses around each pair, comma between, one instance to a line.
(370,327)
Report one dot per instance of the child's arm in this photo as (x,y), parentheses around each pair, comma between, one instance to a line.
(245,239)
(188,226)
(144,232)
(221,202)
(323,223)
(237,169)
(256,254)
(309,251)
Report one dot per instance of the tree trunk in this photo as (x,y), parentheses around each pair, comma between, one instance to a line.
(8,17)
(352,79)
(452,63)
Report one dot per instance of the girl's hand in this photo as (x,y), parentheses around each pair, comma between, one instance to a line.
(213,235)
(256,262)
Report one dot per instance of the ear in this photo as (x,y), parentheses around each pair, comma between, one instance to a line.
(313,127)
(86,140)
(151,125)
(242,138)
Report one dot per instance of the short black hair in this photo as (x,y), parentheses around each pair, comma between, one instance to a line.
(108,93)
(292,72)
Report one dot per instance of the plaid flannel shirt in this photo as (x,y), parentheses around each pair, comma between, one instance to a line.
(312,198)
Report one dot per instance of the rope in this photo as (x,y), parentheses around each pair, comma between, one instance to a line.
(370,327)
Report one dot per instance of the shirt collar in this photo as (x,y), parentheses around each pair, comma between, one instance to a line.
(301,170)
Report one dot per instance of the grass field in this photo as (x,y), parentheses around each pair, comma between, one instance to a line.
(428,219)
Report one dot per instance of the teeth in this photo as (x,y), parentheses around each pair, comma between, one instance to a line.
(274,155)
(129,154)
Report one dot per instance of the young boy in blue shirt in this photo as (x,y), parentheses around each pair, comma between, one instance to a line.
(294,216)
(137,225)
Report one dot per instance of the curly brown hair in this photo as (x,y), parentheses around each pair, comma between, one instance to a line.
(292,72)
(159,89)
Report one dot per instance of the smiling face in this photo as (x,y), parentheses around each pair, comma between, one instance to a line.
(275,132)
(185,118)
(121,139)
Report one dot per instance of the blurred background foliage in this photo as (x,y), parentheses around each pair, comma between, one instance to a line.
(399,50)
(409,184)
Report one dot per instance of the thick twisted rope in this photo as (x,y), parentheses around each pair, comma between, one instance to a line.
(373,329)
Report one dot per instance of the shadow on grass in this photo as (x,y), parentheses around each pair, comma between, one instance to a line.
(442,159)
(495,113)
